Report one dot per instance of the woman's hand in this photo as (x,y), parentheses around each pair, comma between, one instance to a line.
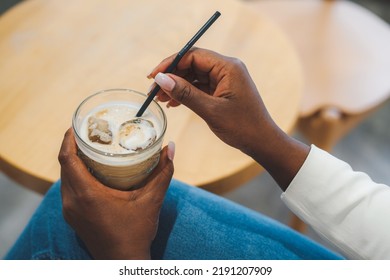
(113,224)
(220,90)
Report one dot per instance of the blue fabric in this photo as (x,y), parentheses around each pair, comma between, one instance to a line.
(194,224)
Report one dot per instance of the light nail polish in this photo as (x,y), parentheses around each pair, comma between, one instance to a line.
(171,150)
(164,81)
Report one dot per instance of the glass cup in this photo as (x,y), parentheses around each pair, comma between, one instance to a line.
(124,170)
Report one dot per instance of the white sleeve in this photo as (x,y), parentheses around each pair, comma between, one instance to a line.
(345,207)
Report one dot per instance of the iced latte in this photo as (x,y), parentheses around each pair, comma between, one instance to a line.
(119,149)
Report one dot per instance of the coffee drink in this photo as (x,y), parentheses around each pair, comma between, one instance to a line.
(119,149)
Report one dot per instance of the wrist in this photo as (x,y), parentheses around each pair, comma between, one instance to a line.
(281,155)
(134,252)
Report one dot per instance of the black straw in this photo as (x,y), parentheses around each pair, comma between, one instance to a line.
(177,59)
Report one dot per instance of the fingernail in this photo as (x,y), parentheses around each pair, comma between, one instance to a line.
(171,150)
(164,81)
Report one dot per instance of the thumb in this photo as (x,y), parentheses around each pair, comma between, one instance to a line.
(184,92)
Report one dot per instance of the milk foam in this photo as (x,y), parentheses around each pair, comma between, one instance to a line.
(116,115)
(137,134)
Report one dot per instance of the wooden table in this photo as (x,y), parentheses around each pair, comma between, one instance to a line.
(53,54)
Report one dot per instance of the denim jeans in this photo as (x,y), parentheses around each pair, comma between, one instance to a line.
(194,224)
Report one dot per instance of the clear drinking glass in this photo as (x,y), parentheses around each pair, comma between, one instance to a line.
(124,170)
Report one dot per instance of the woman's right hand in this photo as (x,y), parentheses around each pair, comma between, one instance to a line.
(220,90)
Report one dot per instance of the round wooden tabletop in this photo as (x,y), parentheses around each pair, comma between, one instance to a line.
(55,53)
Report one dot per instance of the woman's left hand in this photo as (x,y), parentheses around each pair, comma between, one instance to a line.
(113,224)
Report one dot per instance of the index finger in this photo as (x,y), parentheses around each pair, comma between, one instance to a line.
(201,60)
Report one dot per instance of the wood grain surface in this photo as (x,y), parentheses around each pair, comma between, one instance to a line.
(53,54)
